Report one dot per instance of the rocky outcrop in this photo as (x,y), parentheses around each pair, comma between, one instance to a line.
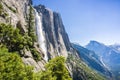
(16,11)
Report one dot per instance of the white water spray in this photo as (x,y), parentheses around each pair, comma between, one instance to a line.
(40,35)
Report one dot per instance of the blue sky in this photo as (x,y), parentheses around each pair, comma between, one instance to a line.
(86,20)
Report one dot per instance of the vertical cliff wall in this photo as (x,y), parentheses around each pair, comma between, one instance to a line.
(55,37)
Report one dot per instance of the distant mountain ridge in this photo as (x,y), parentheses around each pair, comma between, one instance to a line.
(109,54)
(116,47)
(92,59)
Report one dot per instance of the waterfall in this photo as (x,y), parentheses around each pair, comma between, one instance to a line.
(40,35)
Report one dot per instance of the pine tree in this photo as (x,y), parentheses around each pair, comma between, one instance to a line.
(31,24)
(55,70)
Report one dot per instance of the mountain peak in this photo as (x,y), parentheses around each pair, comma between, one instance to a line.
(94,43)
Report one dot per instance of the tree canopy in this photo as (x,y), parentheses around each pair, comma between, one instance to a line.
(55,70)
(12,67)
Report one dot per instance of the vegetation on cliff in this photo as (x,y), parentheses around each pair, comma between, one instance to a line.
(14,41)
(2,12)
(11,38)
(31,24)
(55,70)
(1,8)
(12,68)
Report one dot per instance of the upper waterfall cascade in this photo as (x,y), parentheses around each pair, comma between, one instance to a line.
(40,34)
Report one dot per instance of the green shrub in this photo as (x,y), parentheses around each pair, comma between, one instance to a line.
(36,55)
(13,10)
(55,70)
(6,14)
(2,12)
(11,38)
(12,67)
(1,9)
(15,41)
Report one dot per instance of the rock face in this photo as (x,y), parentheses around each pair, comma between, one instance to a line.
(16,11)
(109,55)
(53,35)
